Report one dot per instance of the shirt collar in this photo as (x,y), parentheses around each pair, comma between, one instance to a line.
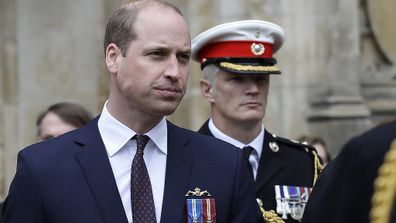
(115,134)
(256,143)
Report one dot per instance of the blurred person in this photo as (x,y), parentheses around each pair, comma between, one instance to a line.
(237,63)
(321,149)
(130,164)
(320,146)
(61,118)
(344,190)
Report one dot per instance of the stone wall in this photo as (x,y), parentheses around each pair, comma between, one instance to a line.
(51,52)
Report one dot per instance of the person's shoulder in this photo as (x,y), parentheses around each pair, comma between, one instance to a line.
(382,209)
(51,148)
(205,139)
(290,145)
(295,152)
(385,126)
(202,140)
(379,137)
(384,130)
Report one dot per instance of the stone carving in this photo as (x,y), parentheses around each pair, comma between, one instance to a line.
(382,15)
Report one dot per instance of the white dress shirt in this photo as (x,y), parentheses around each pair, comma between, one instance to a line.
(121,150)
(256,144)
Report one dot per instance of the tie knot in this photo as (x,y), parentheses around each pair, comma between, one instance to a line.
(141,141)
(247,150)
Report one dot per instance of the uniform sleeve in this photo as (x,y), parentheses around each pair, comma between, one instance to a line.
(340,192)
(23,202)
(244,206)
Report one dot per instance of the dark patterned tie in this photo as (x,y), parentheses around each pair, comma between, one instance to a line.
(247,150)
(143,209)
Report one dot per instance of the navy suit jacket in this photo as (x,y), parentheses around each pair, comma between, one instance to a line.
(69,180)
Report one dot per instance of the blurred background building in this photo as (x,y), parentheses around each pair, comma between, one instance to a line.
(338,63)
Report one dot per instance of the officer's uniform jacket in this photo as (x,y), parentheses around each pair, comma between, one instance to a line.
(282,162)
(348,183)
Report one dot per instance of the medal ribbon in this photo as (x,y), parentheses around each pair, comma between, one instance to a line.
(194,211)
(209,210)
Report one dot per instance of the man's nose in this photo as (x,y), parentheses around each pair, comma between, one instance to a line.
(252,86)
(172,67)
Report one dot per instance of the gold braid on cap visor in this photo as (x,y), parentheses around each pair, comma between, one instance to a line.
(238,67)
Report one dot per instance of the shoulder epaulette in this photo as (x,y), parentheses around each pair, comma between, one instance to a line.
(307,148)
(293,143)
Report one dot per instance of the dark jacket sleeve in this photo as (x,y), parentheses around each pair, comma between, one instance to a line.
(23,202)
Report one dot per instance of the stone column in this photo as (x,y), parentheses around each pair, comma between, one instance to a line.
(378,59)
(8,92)
(53,52)
(337,111)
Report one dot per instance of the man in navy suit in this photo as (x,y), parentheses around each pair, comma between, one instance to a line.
(85,175)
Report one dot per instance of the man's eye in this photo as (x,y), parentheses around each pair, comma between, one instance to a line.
(157,54)
(262,79)
(184,58)
(236,78)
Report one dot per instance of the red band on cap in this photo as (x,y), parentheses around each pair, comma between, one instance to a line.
(235,49)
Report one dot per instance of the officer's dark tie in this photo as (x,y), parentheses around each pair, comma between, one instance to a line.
(247,150)
(143,209)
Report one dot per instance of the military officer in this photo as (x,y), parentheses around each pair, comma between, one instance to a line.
(236,60)
(365,168)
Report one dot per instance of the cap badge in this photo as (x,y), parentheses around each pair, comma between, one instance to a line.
(257,49)
(274,147)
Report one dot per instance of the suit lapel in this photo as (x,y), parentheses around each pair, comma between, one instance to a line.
(269,164)
(178,171)
(97,170)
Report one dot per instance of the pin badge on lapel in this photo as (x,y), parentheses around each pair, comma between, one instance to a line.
(274,147)
(200,207)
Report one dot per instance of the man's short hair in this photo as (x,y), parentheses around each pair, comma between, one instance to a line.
(120,27)
(209,73)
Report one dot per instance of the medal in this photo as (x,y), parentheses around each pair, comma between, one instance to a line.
(201,207)
(291,200)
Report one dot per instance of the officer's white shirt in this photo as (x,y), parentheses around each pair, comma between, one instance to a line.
(121,150)
(256,143)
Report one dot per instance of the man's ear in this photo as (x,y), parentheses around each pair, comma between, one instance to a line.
(112,55)
(207,90)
